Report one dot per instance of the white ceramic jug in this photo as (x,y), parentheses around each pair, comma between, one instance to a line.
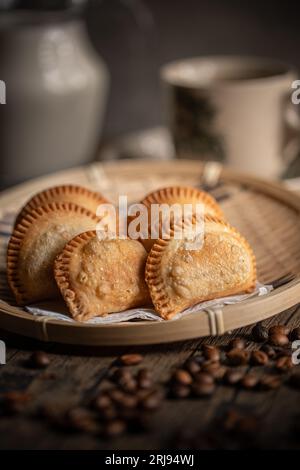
(56,89)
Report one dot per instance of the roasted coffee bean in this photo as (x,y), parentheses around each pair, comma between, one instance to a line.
(203,389)
(237,343)
(211,353)
(210,367)
(180,391)
(145,383)
(249,381)
(295,334)
(204,378)
(121,374)
(14,402)
(131,359)
(232,377)
(219,372)
(259,333)
(192,366)
(259,358)
(81,419)
(295,380)
(270,382)
(183,377)
(199,358)
(144,374)
(128,401)
(114,428)
(271,353)
(116,395)
(284,363)
(152,401)
(102,401)
(279,329)
(128,385)
(39,360)
(214,369)
(278,339)
(238,357)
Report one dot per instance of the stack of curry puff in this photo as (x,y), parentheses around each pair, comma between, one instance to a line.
(54,251)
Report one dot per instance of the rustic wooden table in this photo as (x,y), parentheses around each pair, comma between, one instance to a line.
(74,375)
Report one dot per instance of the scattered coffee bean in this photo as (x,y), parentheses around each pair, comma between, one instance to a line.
(114,428)
(259,358)
(271,353)
(279,330)
(259,333)
(121,374)
(237,343)
(219,372)
(152,401)
(14,402)
(295,334)
(183,377)
(278,339)
(128,385)
(249,381)
(284,363)
(212,353)
(101,402)
(192,366)
(203,389)
(145,383)
(39,360)
(81,419)
(116,395)
(199,358)
(180,391)
(144,374)
(270,382)
(204,378)
(128,401)
(233,377)
(131,359)
(295,380)
(238,357)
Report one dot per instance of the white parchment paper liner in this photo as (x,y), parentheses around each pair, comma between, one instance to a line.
(58,310)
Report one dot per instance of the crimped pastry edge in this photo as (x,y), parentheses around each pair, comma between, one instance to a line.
(18,235)
(46,196)
(156,284)
(163,194)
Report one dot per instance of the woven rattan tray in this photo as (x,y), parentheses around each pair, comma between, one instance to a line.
(266,213)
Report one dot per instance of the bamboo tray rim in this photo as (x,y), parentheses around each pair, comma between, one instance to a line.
(274,302)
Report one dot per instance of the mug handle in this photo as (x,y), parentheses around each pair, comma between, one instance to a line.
(291,142)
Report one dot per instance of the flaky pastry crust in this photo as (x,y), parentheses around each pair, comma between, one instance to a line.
(97,277)
(179,278)
(35,242)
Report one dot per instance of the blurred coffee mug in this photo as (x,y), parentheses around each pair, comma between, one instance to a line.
(236,110)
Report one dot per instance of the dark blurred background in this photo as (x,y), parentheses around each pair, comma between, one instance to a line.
(135,37)
(43,130)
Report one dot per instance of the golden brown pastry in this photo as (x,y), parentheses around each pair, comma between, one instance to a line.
(179,277)
(64,193)
(35,242)
(179,195)
(97,277)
